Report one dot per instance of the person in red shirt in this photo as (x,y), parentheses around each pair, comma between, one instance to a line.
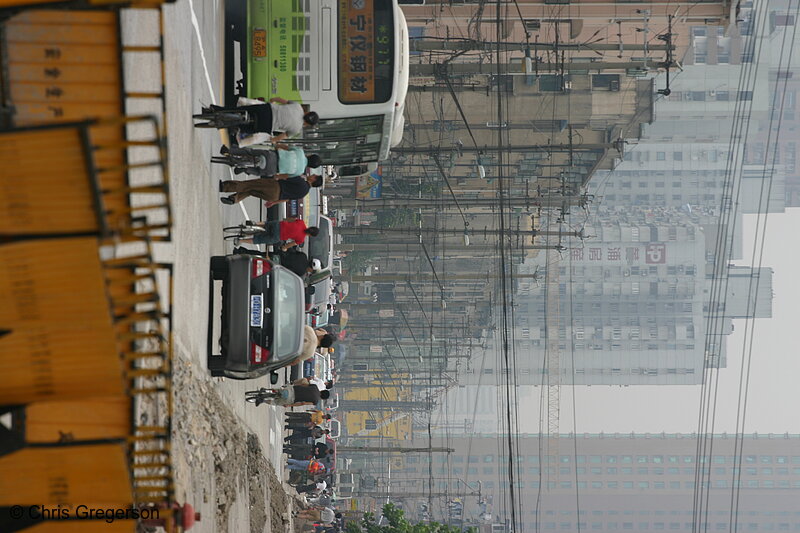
(292,231)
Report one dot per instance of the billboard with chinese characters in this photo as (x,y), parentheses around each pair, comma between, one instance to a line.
(645,253)
(366,51)
(370,185)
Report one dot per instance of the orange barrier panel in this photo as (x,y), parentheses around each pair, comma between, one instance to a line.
(44,362)
(65,87)
(50,194)
(66,475)
(60,342)
(55,280)
(80,187)
(95,418)
(65,66)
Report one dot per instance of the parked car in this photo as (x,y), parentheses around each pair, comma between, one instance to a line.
(318,366)
(322,367)
(336,428)
(321,246)
(318,311)
(262,316)
(332,403)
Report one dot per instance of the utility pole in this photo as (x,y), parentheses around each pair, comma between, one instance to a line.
(392,449)
(453,277)
(411,202)
(419,494)
(618,145)
(385,405)
(406,494)
(465,69)
(424,45)
(363,230)
(670,62)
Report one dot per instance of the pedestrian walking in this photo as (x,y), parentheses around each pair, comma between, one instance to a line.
(291,230)
(316,416)
(272,191)
(320,450)
(326,515)
(322,385)
(298,464)
(302,434)
(278,115)
(288,395)
(316,488)
(312,339)
(312,466)
(282,163)
(297,451)
(298,262)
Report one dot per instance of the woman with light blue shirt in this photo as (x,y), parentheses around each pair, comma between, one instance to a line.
(282,163)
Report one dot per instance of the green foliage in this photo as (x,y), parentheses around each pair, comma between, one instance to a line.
(429,189)
(357,261)
(397,218)
(395,522)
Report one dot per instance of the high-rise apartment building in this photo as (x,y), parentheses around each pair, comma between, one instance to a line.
(687,173)
(635,305)
(624,482)
(632,297)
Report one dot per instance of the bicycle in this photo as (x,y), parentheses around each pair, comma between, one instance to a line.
(237,160)
(243,231)
(220,119)
(262,395)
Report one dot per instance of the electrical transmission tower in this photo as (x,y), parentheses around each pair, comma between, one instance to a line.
(553,339)
(552,281)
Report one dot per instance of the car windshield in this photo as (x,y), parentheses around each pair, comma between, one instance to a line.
(287,294)
(319,247)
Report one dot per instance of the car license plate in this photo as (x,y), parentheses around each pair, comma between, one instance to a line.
(259,43)
(256,310)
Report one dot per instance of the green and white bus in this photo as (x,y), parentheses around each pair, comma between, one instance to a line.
(347,59)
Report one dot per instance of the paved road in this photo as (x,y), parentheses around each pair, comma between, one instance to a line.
(194,53)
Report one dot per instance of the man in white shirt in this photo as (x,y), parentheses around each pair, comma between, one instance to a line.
(278,114)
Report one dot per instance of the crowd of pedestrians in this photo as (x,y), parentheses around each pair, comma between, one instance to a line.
(284,172)
(312,463)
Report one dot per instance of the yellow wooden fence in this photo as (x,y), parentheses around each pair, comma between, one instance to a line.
(85,342)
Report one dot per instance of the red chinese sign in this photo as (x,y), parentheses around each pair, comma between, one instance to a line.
(656,254)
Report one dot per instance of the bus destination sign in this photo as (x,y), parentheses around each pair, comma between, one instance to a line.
(365,49)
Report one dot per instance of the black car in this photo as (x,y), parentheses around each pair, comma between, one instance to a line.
(262,316)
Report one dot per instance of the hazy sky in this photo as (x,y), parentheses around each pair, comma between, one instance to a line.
(775,367)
